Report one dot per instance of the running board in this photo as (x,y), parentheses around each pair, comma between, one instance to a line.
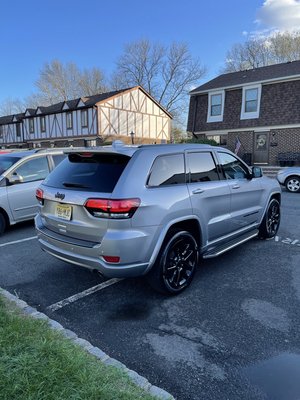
(216,251)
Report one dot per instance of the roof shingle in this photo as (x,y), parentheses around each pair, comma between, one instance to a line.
(276,71)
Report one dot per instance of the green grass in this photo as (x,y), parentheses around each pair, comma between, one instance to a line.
(37,363)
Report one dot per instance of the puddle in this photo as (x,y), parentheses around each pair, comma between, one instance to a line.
(278,378)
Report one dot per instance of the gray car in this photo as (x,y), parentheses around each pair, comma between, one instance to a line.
(290,178)
(153,210)
(20,174)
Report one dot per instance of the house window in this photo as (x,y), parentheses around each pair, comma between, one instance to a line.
(215,106)
(220,139)
(43,124)
(18,129)
(69,118)
(31,126)
(251,102)
(84,118)
(1,131)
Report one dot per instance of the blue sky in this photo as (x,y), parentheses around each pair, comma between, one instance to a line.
(92,33)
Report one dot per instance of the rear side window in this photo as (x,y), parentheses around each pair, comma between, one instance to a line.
(167,170)
(202,167)
(58,158)
(89,172)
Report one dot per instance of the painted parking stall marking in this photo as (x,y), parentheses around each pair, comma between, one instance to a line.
(87,292)
(287,240)
(18,241)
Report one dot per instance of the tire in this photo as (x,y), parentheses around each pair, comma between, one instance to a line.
(271,221)
(2,223)
(292,184)
(176,263)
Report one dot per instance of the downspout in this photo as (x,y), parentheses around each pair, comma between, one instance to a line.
(22,129)
(194,118)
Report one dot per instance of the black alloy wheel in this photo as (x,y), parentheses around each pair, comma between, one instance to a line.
(176,264)
(271,221)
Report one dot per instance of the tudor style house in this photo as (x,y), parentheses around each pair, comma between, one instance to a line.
(129,114)
(11,129)
(259,109)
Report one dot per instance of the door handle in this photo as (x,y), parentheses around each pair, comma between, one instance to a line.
(197,191)
(235,186)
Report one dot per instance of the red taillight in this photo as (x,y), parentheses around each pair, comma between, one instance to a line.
(112,259)
(86,154)
(39,194)
(107,208)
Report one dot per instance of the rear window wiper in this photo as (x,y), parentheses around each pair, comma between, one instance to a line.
(76,185)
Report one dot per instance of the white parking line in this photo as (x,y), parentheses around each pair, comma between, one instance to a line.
(75,297)
(18,241)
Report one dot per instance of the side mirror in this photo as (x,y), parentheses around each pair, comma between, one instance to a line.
(3,181)
(14,179)
(257,172)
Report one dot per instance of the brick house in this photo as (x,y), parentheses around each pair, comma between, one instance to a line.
(260,107)
(128,114)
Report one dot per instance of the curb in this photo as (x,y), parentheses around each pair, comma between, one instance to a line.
(137,379)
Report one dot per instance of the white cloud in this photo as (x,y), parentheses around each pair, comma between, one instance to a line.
(279,15)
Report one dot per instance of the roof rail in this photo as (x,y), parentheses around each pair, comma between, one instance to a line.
(46,149)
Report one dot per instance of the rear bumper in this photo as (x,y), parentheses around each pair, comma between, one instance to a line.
(87,256)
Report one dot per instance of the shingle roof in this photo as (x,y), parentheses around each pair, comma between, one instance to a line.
(92,100)
(31,111)
(54,108)
(88,101)
(72,104)
(8,119)
(19,116)
(270,72)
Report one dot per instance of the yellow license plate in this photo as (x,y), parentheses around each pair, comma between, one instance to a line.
(63,211)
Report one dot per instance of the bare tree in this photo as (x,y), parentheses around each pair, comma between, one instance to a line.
(92,82)
(167,73)
(58,82)
(253,53)
(285,46)
(260,52)
(11,106)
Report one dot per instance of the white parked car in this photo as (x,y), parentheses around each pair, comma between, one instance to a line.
(290,178)
(20,175)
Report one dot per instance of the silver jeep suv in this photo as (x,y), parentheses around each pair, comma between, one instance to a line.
(153,210)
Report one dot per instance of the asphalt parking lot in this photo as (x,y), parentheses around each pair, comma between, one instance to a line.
(234,334)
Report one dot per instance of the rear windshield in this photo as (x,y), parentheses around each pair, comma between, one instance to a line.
(88,172)
(6,162)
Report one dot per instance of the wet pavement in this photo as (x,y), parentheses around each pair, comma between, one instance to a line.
(277,377)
